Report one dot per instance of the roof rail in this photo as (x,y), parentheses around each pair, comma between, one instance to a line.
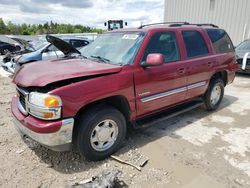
(200,24)
(178,24)
(161,23)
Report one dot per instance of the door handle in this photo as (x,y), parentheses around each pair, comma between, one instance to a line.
(210,64)
(181,70)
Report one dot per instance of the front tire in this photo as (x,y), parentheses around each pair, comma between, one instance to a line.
(214,94)
(100,132)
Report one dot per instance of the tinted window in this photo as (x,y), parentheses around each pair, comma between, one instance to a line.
(164,43)
(244,45)
(194,43)
(78,43)
(221,41)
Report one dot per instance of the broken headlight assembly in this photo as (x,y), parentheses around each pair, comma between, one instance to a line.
(44,106)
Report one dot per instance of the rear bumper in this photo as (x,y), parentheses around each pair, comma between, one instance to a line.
(56,135)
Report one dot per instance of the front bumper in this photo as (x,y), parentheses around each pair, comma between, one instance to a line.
(56,135)
(246,70)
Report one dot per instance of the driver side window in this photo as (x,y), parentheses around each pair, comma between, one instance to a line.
(52,48)
(164,43)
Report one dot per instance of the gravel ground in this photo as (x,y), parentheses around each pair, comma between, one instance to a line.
(196,149)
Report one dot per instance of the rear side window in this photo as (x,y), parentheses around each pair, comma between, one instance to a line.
(194,43)
(221,41)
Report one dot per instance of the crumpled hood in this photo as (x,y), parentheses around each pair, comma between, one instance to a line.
(24,43)
(46,72)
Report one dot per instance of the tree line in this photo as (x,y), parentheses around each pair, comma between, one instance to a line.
(46,28)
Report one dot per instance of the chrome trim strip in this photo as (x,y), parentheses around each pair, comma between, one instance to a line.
(199,84)
(164,94)
(174,91)
(22,91)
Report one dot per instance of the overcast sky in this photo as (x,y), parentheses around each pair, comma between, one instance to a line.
(87,12)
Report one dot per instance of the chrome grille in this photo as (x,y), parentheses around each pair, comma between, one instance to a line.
(241,60)
(23,97)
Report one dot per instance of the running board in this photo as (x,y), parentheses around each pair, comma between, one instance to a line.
(151,120)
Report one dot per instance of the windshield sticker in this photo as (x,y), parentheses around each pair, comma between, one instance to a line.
(130,37)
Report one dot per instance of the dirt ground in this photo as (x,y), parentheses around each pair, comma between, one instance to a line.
(196,149)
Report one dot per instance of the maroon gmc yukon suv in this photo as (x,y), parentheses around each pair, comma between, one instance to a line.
(90,98)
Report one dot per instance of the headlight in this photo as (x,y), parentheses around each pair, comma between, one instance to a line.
(44,106)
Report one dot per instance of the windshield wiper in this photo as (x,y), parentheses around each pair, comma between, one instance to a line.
(83,56)
(103,59)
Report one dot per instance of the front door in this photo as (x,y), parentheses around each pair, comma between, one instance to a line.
(50,53)
(161,86)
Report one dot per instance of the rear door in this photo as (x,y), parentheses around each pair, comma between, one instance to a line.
(199,60)
(161,86)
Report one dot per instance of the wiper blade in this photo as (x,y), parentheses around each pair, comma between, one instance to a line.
(83,56)
(103,59)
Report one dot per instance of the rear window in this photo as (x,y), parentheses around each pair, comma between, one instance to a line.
(194,43)
(221,41)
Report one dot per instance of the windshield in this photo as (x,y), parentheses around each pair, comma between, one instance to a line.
(117,48)
(244,46)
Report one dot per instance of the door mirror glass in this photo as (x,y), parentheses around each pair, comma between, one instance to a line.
(153,59)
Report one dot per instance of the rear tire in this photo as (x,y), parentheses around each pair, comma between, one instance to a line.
(100,132)
(214,94)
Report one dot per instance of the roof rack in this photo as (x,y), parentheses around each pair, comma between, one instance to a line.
(200,24)
(161,23)
(178,24)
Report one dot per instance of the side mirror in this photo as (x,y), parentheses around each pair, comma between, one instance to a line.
(105,24)
(154,59)
(45,50)
(126,23)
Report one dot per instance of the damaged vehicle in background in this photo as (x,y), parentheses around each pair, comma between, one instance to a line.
(243,56)
(45,51)
(25,47)
(8,47)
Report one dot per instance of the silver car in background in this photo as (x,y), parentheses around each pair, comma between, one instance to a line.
(45,51)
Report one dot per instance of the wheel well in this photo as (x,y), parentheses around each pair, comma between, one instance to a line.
(222,75)
(118,102)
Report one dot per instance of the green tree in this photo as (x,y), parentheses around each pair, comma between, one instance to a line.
(3,28)
(46,28)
